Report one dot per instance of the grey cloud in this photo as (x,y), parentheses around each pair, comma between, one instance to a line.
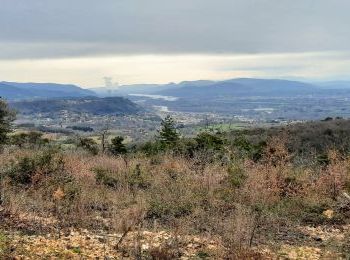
(51,28)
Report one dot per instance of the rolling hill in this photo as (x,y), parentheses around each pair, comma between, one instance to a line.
(91,105)
(240,88)
(18,91)
(147,88)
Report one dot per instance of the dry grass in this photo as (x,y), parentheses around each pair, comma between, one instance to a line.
(241,203)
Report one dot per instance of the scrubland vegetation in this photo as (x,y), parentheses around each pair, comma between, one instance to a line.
(249,194)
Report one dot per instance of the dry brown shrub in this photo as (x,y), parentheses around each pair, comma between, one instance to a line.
(334,177)
(179,196)
(276,152)
(262,186)
(238,233)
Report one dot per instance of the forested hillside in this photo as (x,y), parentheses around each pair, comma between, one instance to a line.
(92,105)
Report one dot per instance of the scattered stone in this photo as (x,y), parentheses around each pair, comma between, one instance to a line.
(328,213)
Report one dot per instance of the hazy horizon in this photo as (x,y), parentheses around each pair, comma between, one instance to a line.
(157,42)
(115,86)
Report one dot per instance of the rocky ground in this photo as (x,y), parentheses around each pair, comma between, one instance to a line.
(316,243)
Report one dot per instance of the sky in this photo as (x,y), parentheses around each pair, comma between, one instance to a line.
(160,41)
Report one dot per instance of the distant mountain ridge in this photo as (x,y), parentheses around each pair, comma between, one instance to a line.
(334,84)
(18,91)
(146,88)
(232,87)
(91,105)
(241,87)
(131,89)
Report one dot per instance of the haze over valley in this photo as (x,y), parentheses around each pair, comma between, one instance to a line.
(241,101)
(187,129)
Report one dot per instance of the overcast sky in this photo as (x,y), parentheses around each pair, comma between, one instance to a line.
(145,41)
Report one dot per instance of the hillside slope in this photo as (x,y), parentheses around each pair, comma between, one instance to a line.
(241,87)
(14,90)
(92,105)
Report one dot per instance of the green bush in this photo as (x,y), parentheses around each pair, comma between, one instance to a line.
(302,210)
(71,190)
(31,139)
(31,169)
(323,159)
(247,148)
(207,141)
(89,145)
(236,175)
(106,178)
(165,210)
(23,171)
(312,214)
(4,246)
(151,148)
(171,199)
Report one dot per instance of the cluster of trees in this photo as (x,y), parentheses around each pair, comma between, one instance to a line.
(7,116)
(116,147)
(81,128)
(28,139)
(167,138)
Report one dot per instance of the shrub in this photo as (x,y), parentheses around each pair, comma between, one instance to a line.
(32,169)
(236,175)
(137,180)
(23,172)
(18,139)
(249,149)
(163,253)
(4,246)
(30,139)
(172,199)
(89,145)
(151,148)
(165,210)
(312,214)
(105,177)
(207,141)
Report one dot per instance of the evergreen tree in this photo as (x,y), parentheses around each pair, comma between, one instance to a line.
(207,141)
(117,146)
(6,118)
(88,144)
(168,135)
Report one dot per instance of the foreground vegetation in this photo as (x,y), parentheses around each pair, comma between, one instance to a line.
(252,194)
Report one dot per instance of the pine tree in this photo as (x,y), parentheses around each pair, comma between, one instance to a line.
(168,135)
(117,146)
